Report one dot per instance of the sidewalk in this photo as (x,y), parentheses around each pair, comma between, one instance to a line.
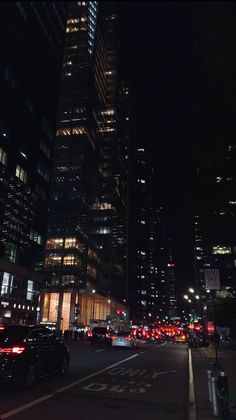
(203,359)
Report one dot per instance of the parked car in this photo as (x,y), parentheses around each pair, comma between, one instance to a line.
(100,336)
(27,353)
(124,339)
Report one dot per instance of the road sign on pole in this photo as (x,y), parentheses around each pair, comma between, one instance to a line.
(212,279)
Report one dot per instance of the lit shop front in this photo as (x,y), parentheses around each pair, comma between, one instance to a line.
(66,309)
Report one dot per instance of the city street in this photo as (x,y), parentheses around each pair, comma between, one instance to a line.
(148,383)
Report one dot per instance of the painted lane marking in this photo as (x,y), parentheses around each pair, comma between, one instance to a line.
(65,388)
(192,414)
(99,350)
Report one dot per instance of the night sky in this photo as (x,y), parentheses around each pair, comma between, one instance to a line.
(172,52)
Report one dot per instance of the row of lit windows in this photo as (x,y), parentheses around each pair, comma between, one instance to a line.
(76,20)
(108,112)
(221,250)
(70,131)
(102,230)
(53,260)
(55,243)
(70,29)
(101,206)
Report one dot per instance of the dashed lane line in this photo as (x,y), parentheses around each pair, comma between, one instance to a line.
(192,414)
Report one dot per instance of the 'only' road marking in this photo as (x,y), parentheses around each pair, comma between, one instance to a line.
(58,391)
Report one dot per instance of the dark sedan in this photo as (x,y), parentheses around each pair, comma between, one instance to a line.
(27,353)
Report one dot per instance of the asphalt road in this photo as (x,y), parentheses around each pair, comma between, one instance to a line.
(103,383)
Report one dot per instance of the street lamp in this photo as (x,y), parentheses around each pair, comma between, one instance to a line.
(186,297)
(191,290)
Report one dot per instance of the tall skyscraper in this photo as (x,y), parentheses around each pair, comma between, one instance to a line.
(32,35)
(151,266)
(85,250)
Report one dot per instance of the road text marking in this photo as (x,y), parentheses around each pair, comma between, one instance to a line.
(58,391)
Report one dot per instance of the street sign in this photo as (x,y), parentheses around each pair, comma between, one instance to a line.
(212,279)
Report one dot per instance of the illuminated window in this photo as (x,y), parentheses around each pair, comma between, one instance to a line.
(78,130)
(221,250)
(73,243)
(53,260)
(3,157)
(108,112)
(36,237)
(102,230)
(72,259)
(72,29)
(7,283)
(101,206)
(219,179)
(69,21)
(54,243)
(64,132)
(142,222)
(21,174)
(30,290)
(68,279)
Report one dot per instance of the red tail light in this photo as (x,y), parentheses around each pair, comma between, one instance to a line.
(14,350)
(114,337)
(128,338)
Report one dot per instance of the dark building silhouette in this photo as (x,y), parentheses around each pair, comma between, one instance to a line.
(215,146)
(151,266)
(32,35)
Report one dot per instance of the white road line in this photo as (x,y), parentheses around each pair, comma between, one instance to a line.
(99,350)
(192,413)
(65,388)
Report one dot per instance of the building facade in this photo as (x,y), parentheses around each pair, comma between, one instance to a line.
(83,259)
(32,35)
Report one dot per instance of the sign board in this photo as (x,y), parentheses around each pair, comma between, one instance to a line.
(212,279)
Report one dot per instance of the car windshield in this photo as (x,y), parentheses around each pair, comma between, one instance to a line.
(13,334)
(123,333)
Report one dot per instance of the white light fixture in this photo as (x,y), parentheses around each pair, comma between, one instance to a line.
(186,297)
(191,290)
